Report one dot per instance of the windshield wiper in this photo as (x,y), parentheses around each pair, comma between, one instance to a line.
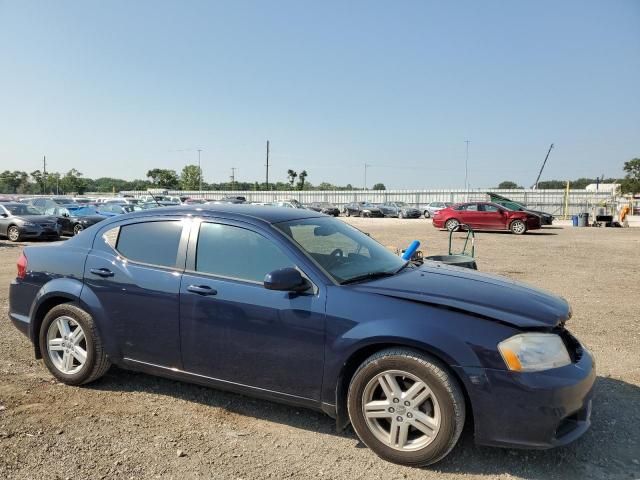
(367,276)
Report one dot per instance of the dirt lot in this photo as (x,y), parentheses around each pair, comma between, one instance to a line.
(131,425)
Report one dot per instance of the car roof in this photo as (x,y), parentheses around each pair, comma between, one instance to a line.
(244,211)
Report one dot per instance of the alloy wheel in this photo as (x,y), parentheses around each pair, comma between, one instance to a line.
(66,345)
(13,233)
(452,224)
(77,229)
(401,410)
(518,227)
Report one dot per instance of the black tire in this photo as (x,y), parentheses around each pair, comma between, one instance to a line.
(13,233)
(518,227)
(427,214)
(96,364)
(437,377)
(452,224)
(347,213)
(77,229)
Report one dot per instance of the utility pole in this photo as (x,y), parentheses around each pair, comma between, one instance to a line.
(267,181)
(44,174)
(199,172)
(233,177)
(466,166)
(366,165)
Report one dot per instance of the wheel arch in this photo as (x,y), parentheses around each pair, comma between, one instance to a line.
(41,310)
(356,359)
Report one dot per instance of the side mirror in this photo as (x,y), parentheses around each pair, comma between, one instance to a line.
(3,215)
(65,214)
(286,280)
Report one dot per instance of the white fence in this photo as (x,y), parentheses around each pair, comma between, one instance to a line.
(551,201)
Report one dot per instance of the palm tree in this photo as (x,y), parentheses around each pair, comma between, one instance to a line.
(292,174)
(302,177)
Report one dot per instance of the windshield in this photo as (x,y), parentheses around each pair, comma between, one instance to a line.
(341,250)
(23,210)
(401,204)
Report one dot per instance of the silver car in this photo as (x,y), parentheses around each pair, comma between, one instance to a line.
(433,207)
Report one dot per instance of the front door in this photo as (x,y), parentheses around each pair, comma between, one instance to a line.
(492,217)
(235,330)
(134,270)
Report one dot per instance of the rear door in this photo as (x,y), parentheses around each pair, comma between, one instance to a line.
(235,330)
(134,270)
(469,214)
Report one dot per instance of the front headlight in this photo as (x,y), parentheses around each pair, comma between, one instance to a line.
(533,352)
(28,224)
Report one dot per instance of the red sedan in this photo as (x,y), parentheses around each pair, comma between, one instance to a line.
(485,216)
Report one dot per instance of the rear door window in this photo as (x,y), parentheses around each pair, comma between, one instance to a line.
(153,243)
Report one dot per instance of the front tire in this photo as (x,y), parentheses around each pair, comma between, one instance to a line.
(13,233)
(347,213)
(518,227)
(406,407)
(71,347)
(77,229)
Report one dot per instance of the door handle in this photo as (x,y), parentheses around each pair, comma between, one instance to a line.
(202,290)
(102,272)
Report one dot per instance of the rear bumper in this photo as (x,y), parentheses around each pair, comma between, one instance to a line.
(21,295)
(531,410)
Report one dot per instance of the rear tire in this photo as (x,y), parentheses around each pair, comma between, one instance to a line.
(452,225)
(13,233)
(518,227)
(347,213)
(406,407)
(427,214)
(400,214)
(71,347)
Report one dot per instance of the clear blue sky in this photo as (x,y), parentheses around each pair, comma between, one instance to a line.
(114,88)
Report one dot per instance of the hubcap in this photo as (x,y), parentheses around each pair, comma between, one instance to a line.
(67,345)
(77,229)
(401,410)
(452,224)
(13,234)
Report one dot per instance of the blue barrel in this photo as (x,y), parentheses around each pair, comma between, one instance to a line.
(574,219)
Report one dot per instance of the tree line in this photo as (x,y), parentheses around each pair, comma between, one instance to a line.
(37,182)
(54,183)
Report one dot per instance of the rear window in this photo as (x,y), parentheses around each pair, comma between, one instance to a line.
(154,243)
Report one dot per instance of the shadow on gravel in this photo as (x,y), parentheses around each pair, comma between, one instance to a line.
(610,449)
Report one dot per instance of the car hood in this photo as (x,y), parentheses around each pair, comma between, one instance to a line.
(483,294)
(36,218)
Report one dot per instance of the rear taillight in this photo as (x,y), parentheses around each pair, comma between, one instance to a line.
(22,266)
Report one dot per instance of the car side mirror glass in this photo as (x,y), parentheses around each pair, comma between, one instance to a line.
(3,215)
(286,280)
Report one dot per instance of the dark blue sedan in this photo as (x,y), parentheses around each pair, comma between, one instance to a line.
(298,307)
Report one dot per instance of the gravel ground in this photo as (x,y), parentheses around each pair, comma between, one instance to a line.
(130,425)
